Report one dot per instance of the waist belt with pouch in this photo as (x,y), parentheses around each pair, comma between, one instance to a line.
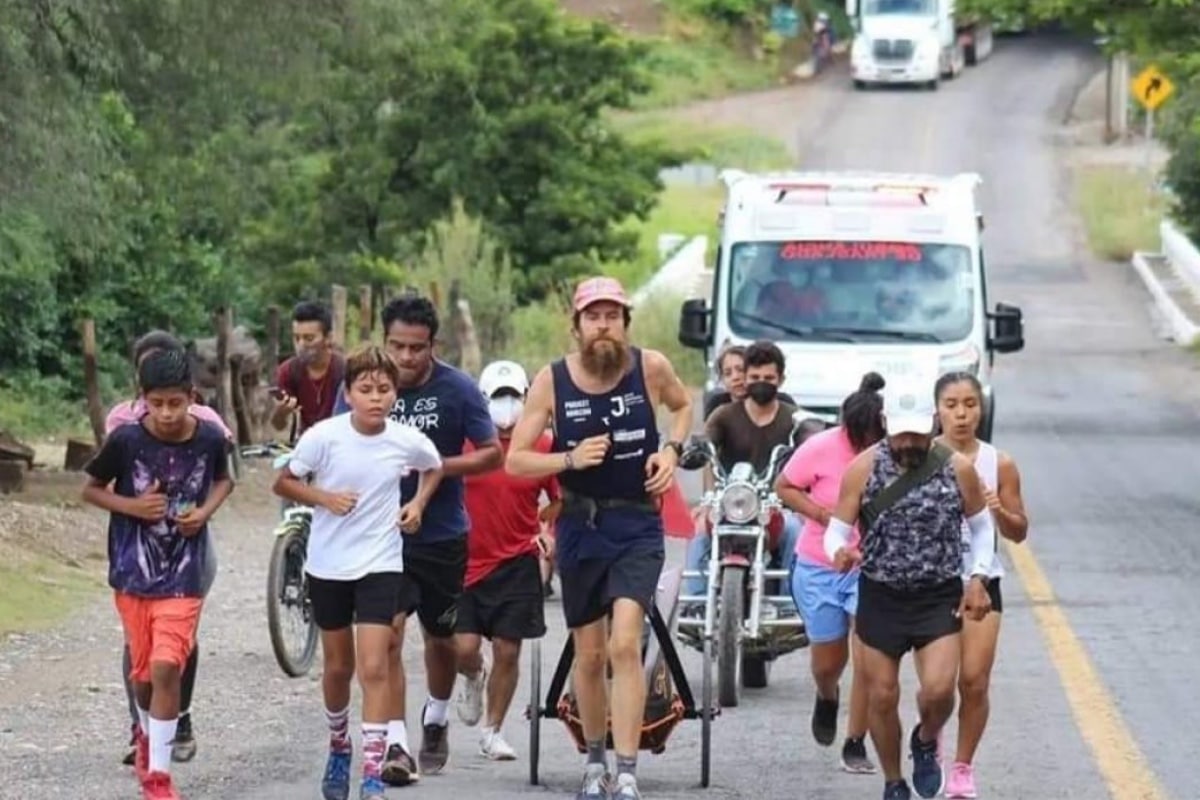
(580,505)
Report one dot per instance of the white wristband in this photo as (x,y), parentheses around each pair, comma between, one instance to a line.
(837,535)
(983,543)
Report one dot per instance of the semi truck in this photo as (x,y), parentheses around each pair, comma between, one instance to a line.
(914,41)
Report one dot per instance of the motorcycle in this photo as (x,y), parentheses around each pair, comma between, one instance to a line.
(751,627)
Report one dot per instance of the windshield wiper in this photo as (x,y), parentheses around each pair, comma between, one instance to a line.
(801,333)
(908,336)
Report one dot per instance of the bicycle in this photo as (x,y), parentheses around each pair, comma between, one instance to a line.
(294,644)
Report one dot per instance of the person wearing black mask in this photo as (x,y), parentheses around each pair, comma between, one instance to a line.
(748,430)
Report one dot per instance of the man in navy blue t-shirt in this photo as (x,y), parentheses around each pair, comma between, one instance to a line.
(447,406)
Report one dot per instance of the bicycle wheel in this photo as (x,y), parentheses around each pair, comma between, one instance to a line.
(289,612)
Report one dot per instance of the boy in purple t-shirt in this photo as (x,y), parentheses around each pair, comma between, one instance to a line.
(169,475)
(131,412)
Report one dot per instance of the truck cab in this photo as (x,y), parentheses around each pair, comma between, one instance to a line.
(850,273)
(913,41)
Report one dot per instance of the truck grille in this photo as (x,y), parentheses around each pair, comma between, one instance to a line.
(893,49)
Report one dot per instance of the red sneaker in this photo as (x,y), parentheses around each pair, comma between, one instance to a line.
(158,786)
(141,755)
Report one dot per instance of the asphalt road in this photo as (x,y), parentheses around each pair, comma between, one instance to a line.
(1096,646)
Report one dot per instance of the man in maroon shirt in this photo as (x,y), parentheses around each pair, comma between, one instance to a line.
(308,383)
(503,592)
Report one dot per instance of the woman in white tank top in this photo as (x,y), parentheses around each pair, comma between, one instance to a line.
(960,405)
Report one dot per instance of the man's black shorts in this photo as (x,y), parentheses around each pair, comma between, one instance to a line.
(589,586)
(508,603)
(373,599)
(433,582)
(894,621)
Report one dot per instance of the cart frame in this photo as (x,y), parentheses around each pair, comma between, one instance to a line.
(658,650)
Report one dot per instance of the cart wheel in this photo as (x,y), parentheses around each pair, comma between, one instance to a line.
(706,713)
(535,708)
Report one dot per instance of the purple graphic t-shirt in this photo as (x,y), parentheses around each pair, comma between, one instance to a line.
(151,559)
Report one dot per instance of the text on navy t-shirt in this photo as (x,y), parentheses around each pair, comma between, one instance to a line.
(450,410)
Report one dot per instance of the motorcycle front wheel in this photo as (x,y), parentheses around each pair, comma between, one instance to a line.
(289,611)
(730,613)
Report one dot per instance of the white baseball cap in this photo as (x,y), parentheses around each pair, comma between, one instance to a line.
(503,375)
(908,406)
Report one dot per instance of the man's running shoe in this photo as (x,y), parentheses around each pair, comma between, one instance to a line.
(399,769)
(855,759)
(372,789)
(961,783)
(492,745)
(335,785)
(824,721)
(927,775)
(596,783)
(183,749)
(896,790)
(626,788)
(435,747)
(470,698)
(158,786)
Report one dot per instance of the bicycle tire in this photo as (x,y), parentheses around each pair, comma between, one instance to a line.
(294,667)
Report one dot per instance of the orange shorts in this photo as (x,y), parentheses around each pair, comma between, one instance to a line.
(158,630)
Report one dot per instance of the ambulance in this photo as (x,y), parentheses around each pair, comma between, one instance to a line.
(851,272)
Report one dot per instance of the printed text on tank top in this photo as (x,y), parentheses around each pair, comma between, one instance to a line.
(625,413)
(987,465)
(917,542)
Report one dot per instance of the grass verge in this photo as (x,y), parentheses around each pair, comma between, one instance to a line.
(1120,211)
(33,412)
(695,63)
(40,593)
(690,210)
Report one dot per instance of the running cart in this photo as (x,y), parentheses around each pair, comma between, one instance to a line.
(669,698)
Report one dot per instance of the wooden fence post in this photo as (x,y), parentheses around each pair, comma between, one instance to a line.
(338,294)
(223,322)
(272,343)
(364,313)
(91,380)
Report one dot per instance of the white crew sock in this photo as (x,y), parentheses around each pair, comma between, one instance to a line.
(397,733)
(436,711)
(162,734)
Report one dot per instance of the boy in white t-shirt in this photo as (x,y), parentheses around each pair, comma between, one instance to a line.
(353,464)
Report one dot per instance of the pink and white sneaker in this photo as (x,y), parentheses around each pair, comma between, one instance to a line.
(961,783)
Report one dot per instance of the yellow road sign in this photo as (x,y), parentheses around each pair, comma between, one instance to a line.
(1152,88)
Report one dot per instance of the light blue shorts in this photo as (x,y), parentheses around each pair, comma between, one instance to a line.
(826,600)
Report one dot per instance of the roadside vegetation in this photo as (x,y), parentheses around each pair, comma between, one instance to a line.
(145,185)
(162,160)
(1121,211)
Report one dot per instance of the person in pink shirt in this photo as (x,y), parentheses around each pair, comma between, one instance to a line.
(129,412)
(827,599)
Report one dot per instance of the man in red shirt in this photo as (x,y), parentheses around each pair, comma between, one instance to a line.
(309,382)
(502,597)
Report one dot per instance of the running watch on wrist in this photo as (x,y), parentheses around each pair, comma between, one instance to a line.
(674,445)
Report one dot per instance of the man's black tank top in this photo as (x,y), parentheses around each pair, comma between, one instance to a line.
(625,413)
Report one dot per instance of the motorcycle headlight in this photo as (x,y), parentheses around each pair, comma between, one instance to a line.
(739,504)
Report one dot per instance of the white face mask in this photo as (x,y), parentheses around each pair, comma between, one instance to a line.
(505,411)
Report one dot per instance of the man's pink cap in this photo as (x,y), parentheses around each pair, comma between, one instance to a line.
(596,290)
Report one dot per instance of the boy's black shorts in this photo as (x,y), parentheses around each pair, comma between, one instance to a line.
(373,599)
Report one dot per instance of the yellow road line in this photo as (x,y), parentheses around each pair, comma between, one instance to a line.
(1122,763)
